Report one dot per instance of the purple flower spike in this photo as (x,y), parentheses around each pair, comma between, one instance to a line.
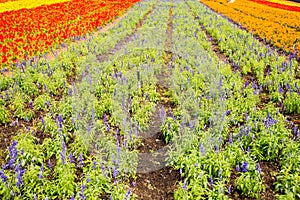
(230,138)
(94,164)
(257,168)
(245,166)
(20,174)
(201,148)
(2,176)
(184,185)
(13,155)
(238,168)
(43,121)
(71,158)
(80,160)
(127,195)
(229,189)
(211,181)
(81,194)
(63,157)
(216,148)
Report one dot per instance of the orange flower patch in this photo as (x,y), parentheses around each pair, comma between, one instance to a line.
(279,27)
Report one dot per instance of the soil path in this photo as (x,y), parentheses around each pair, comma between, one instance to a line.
(155,180)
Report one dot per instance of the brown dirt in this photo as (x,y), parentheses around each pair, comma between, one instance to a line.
(159,184)
(270,171)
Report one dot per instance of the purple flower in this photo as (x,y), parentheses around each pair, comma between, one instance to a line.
(270,121)
(184,185)
(104,118)
(103,171)
(88,179)
(31,104)
(288,86)
(257,168)
(295,131)
(245,166)
(230,138)
(43,121)
(72,197)
(70,92)
(201,148)
(280,90)
(127,195)
(41,172)
(247,131)
(238,168)
(94,164)
(2,176)
(71,157)
(115,172)
(81,194)
(216,148)
(20,174)
(220,175)
(80,160)
(34,197)
(59,118)
(248,149)
(49,164)
(197,164)
(240,133)
(211,181)
(13,155)
(63,157)
(229,189)
(228,112)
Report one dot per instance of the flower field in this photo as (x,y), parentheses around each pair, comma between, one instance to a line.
(29,29)
(277,26)
(173,101)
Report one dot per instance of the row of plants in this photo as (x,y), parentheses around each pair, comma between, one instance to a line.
(274,75)
(52,158)
(32,32)
(275,26)
(220,151)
